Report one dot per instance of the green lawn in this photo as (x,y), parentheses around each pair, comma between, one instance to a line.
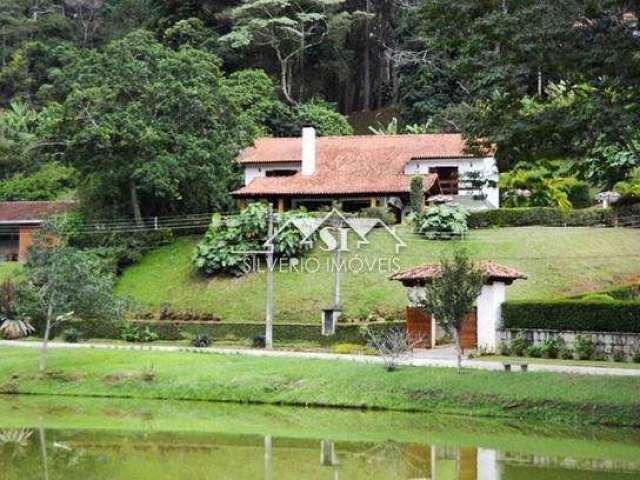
(551,397)
(558,261)
(9,269)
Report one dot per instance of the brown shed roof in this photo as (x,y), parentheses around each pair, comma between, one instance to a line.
(31,212)
(425,273)
(350,164)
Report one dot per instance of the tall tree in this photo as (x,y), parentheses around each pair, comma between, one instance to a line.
(149,127)
(288,28)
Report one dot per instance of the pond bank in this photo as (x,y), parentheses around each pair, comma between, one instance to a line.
(550,397)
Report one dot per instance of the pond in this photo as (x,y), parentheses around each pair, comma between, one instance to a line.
(65,438)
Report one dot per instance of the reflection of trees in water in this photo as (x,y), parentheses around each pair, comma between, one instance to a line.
(15,442)
(397,457)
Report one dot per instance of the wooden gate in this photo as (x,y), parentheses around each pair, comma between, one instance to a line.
(469,331)
(419,326)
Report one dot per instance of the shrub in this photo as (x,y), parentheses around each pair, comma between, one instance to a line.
(381,213)
(201,340)
(534,351)
(504,349)
(71,335)
(416,197)
(636,356)
(583,347)
(598,297)
(138,333)
(441,222)
(519,345)
(573,315)
(258,341)
(220,250)
(551,347)
(546,216)
(618,355)
(49,182)
(567,353)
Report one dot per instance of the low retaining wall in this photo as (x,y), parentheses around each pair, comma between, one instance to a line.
(605,342)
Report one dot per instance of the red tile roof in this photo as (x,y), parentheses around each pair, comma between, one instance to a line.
(424,273)
(31,212)
(349,164)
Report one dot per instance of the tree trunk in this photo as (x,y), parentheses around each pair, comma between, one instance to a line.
(135,203)
(284,82)
(366,64)
(44,353)
(456,335)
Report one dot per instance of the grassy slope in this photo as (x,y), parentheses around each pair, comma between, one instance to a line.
(9,269)
(572,399)
(558,261)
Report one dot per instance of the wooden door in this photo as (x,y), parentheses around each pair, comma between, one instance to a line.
(469,331)
(419,326)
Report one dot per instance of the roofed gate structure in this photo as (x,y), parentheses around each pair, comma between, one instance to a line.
(481,325)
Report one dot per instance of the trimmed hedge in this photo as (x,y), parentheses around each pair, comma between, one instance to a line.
(172,330)
(574,315)
(521,217)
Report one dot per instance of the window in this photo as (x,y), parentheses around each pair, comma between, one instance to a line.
(280,173)
(448,177)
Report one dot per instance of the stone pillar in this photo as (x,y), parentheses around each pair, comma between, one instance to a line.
(281,205)
(373,202)
(242,204)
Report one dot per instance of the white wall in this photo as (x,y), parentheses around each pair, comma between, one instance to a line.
(485,165)
(489,315)
(260,170)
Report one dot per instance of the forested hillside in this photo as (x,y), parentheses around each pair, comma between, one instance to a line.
(138,107)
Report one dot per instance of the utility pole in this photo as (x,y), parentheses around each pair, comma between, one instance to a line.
(336,279)
(268,336)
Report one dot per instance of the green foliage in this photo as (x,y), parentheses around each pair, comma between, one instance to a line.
(71,335)
(534,351)
(629,189)
(441,222)
(416,196)
(148,128)
(572,315)
(63,282)
(221,250)
(323,116)
(137,333)
(381,213)
(285,27)
(542,187)
(450,297)
(610,163)
(618,356)
(552,347)
(598,297)
(636,357)
(17,138)
(546,216)
(201,340)
(519,345)
(583,347)
(12,326)
(50,182)
(567,353)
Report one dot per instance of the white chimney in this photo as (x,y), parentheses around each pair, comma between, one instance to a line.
(308,150)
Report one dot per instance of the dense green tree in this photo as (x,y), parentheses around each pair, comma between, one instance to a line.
(149,129)
(51,181)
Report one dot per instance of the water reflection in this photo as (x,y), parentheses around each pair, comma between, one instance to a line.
(83,440)
(60,454)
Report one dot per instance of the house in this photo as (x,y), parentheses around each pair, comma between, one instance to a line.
(19,220)
(480,329)
(362,171)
